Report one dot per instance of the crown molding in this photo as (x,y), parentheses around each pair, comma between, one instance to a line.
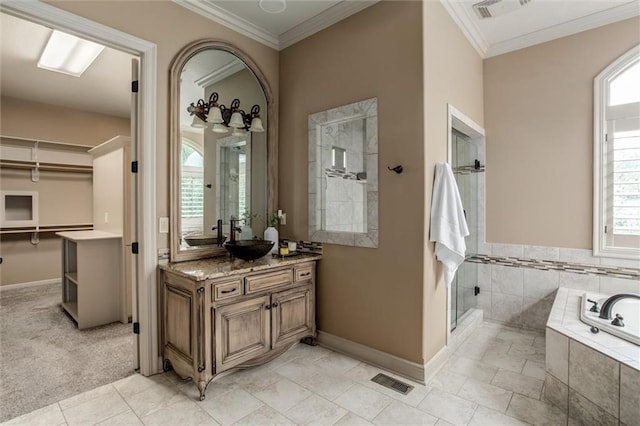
(221,73)
(461,16)
(609,16)
(323,20)
(336,13)
(217,14)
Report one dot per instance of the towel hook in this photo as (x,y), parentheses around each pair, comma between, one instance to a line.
(398,169)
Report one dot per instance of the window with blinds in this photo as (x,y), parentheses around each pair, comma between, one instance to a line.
(616,229)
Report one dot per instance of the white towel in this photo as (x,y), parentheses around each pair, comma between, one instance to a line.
(448,223)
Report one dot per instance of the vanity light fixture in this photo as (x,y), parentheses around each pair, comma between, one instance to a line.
(68,54)
(222,117)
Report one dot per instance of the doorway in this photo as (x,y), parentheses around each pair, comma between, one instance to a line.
(143,151)
(466,155)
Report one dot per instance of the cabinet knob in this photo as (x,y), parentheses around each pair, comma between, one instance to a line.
(274,305)
(267,307)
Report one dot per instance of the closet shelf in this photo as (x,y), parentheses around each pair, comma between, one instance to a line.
(44,143)
(47,228)
(73,168)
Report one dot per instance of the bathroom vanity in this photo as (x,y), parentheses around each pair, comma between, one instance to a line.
(221,313)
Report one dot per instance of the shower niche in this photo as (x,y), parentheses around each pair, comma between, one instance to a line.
(467,159)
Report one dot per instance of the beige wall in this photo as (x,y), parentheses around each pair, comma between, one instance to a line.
(58,124)
(453,74)
(171,27)
(63,198)
(539,124)
(369,296)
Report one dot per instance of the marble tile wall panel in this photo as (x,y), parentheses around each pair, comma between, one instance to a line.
(557,355)
(629,395)
(595,376)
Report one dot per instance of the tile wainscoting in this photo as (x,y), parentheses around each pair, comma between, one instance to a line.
(518,282)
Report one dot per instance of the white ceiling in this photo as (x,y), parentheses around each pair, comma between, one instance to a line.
(105,86)
(536,22)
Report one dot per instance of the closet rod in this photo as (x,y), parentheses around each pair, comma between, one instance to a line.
(46,166)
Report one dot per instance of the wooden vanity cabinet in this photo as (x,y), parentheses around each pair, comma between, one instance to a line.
(234,321)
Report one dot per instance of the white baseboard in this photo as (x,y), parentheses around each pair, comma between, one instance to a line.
(402,367)
(434,365)
(29,284)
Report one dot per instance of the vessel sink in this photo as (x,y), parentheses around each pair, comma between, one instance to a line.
(202,240)
(248,249)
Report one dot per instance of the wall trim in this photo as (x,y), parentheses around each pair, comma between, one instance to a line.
(326,18)
(435,364)
(217,14)
(18,286)
(400,366)
(459,14)
(464,18)
(322,20)
(146,297)
(589,22)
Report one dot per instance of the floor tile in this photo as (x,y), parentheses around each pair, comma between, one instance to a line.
(485,394)
(49,415)
(488,417)
(283,395)
(96,410)
(255,379)
(98,392)
(448,381)
(329,385)
(264,415)
(183,412)
(448,406)
(299,370)
(128,418)
(534,369)
(310,353)
(230,406)
(536,412)
(363,372)
(133,385)
(518,383)
(471,368)
(505,361)
(316,410)
(517,336)
(363,401)
(398,413)
(336,363)
(351,419)
(154,398)
(527,352)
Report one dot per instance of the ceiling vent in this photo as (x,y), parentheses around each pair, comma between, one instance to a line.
(492,8)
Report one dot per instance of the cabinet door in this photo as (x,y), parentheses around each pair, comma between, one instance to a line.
(293,314)
(242,332)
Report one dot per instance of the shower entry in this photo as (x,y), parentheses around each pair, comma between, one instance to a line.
(467,163)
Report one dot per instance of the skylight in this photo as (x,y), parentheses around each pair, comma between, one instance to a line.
(68,54)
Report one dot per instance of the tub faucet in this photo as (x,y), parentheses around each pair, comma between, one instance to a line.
(605,310)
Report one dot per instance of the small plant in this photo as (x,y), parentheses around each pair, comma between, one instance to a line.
(274,220)
(248,217)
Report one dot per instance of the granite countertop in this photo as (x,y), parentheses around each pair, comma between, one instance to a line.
(216,267)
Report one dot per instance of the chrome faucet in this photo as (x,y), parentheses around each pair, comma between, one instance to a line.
(607,306)
(233,228)
(218,228)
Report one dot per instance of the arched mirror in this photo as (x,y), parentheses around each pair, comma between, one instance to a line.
(223,148)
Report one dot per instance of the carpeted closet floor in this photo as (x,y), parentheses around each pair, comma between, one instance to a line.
(44,358)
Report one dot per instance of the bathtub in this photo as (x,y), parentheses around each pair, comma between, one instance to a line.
(594,377)
(629,309)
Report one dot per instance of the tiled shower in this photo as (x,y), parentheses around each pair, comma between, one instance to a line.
(468,167)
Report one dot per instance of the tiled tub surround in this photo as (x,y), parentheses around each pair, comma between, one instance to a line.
(518,283)
(593,377)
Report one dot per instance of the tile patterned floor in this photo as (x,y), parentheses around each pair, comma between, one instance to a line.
(494,378)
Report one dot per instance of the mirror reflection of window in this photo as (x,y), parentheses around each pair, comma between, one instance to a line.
(338,158)
(192,188)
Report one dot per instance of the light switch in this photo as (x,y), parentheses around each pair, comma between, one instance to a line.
(106,217)
(163,225)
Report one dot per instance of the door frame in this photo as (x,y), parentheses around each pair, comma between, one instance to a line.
(459,121)
(145,206)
